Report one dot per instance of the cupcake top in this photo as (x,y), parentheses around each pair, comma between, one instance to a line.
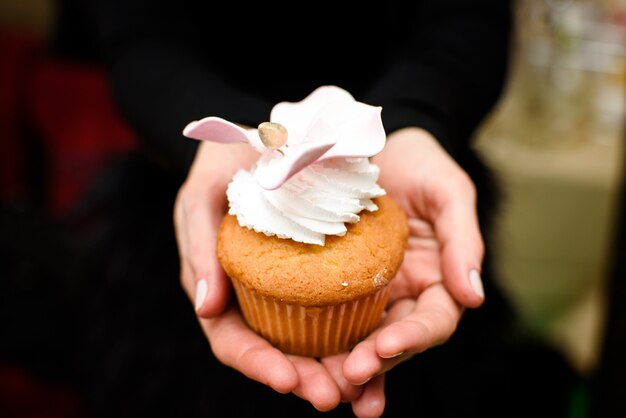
(313,175)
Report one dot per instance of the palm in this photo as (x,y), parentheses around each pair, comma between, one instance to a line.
(421,266)
(406,181)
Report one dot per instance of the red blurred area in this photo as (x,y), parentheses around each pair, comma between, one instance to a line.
(74,115)
(24,396)
(63,112)
(17,51)
(67,108)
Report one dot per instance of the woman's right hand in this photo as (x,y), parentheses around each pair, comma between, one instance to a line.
(199,208)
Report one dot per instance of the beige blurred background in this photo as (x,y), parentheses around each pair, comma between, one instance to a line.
(555,141)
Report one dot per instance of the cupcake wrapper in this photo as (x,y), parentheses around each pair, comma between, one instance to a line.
(312,331)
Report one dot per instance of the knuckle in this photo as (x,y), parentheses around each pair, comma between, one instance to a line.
(194,196)
(448,324)
(439,325)
(480,244)
(186,276)
(183,193)
(247,355)
(464,185)
(196,256)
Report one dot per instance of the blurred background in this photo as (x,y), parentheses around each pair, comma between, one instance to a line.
(555,141)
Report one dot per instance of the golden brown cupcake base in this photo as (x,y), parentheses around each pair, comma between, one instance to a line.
(312,300)
(310,330)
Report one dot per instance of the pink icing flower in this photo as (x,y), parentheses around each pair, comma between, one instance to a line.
(329,123)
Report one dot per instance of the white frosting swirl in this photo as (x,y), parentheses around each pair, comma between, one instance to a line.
(315,202)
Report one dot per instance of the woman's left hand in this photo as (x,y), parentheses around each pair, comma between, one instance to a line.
(439,274)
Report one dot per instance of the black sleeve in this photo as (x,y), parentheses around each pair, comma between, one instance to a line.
(451,72)
(159,80)
(444,79)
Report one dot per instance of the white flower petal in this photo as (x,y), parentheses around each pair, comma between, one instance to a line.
(297,117)
(359,127)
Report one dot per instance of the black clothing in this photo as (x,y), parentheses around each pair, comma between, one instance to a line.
(435,64)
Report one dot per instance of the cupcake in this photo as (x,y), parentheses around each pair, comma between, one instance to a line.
(310,241)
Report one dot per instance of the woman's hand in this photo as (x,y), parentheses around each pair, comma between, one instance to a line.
(199,208)
(440,272)
(444,247)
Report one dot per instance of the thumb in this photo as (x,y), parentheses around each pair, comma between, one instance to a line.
(203,277)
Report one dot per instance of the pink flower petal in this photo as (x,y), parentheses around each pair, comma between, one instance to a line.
(215,130)
(328,123)
(278,170)
(255,140)
(297,117)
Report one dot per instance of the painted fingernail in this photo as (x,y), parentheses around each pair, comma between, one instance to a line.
(201,291)
(476,283)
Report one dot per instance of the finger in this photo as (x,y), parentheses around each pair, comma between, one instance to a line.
(235,345)
(410,327)
(186,276)
(334,365)
(420,228)
(210,286)
(411,281)
(372,402)
(364,362)
(431,322)
(187,273)
(198,210)
(182,243)
(462,247)
(315,384)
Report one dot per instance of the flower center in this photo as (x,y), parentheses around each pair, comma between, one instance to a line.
(273,135)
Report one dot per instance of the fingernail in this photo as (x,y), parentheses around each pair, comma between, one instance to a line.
(394,355)
(365,381)
(476,283)
(201,291)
